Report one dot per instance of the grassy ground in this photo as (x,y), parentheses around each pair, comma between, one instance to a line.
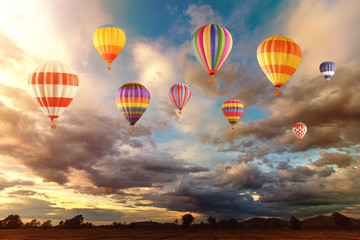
(93,234)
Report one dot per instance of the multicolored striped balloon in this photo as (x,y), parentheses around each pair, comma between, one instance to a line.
(133,99)
(279,57)
(212,45)
(180,94)
(109,41)
(232,110)
(53,85)
(299,129)
(328,69)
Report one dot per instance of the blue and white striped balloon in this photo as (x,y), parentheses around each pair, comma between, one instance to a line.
(327,69)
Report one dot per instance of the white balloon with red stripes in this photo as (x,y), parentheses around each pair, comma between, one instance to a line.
(53,85)
(299,129)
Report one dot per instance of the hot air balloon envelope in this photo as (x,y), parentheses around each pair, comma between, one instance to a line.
(299,129)
(278,57)
(232,110)
(109,41)
(327,69)
(133,100)
(180,94)
(53,85)
(212,45)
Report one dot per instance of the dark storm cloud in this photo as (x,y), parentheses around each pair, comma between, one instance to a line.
(88,140)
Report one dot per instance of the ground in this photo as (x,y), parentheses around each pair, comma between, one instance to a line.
(109,234)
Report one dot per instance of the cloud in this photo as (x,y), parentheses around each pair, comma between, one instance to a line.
(4,183)
(339,159)
(201,15)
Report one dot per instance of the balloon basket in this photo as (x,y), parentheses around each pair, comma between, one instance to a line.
(179,112)
(108,66)
(211,80)
(277,93)
(299,141)
(232,128)
(131,129)
(328,81)
(52,126)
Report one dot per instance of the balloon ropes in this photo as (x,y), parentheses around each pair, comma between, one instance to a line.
(278,57)
(133,100)
(53,85)
(212,45)
(109,41)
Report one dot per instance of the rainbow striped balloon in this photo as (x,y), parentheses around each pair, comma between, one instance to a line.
(109,41)
(53,85)
(180,94)
(212,45)
(133,99)
(232,110)
(279,57)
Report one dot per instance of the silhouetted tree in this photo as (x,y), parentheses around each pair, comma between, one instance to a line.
(295,223)
(212,222)
(47,224)
(176,221)
(233,223)
(11,222)
(74,222)
(222,224)
(187,219)
(32,224)
(341,220)
(202,225)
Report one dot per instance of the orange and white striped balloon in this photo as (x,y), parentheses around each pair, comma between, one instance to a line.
(53,85)
(279,57)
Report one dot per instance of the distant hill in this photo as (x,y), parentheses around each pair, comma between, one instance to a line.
(324,222)
(264,223)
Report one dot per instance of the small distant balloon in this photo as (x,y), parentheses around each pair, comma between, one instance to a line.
(299,129)
(133,100)
(278,57)
(232,110)
(212,45)
(53,85)
(180,94)
(109,41)
(328,69)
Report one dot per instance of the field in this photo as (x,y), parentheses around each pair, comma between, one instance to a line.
(92,234)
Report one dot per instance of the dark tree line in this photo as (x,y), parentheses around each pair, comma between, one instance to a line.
(188,222)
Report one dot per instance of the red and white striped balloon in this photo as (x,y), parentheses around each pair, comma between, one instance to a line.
(299,129)
(53,85)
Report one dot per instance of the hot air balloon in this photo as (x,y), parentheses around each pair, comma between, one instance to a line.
(212,45)
(279,57)
(109,40)
(327,69)
(53,85)
(180,94)
(299,129)
(133,99)
(232,110)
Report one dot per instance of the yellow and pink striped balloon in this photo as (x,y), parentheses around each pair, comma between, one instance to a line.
(279,57)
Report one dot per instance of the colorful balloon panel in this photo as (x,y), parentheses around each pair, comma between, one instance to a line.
(180,94)
(53,85)
(212,45)
(327,69)
(279,57)
(232,110)
(133,100)
(299,129)
(109,41)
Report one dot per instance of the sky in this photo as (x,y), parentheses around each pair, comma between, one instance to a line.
(190,163)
